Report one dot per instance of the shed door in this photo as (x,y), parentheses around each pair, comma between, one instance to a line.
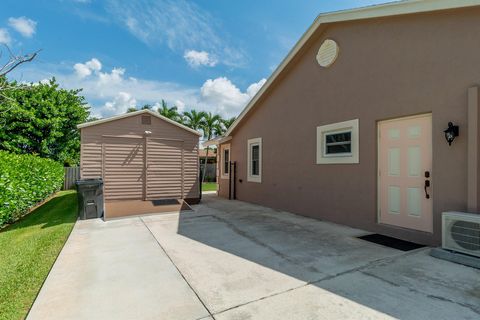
(123,168)
(405,169)
(164,169)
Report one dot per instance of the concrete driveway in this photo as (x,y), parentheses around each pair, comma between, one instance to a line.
(234,260)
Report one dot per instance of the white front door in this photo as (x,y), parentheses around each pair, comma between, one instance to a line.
(405,172)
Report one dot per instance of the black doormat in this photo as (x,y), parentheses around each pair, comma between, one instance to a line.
(391,242)
(163,202)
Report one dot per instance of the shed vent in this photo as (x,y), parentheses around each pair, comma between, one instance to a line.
(146,120)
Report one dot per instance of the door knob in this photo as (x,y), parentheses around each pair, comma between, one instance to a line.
(427,184)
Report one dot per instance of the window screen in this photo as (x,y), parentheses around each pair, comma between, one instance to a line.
(255,160)
(226,160)
(338,143)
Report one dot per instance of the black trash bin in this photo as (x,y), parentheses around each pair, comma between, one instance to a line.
(90,198)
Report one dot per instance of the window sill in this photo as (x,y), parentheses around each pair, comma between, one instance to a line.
(337,161)
(256,179)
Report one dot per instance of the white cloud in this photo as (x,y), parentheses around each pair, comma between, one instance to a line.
(226,97)
(180,105)
(82,70)
(113,92)
(5,36)
(94,64)
(254,87)
(137,30)
(121,102)
(85,69)
(112,78)
(26,27)
(199,58)
(180,25)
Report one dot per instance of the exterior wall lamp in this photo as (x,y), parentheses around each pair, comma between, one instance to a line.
(450,133)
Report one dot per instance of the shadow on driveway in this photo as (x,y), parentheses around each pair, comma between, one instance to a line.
(248,261)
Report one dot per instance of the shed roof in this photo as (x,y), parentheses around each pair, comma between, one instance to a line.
(135,113)
(375,11)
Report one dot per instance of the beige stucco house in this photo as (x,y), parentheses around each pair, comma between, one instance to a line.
(364,99)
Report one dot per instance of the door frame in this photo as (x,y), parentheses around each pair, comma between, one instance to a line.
(377,172)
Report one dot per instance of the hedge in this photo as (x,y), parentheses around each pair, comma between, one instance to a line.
(25,180)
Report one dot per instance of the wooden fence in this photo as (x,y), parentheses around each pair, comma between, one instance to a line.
(72,174)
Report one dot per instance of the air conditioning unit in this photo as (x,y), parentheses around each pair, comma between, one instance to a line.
(461,232)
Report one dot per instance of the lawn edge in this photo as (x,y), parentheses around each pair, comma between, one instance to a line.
(31,209)
(54,261)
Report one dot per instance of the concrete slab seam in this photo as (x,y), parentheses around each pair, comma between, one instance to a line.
(261,298)
(179,271)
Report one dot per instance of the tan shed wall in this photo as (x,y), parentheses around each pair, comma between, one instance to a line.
(165,174)
(389,67)
(130,130)
(124,181)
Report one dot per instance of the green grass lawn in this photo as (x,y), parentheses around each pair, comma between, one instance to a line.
(28,249)
(209,186)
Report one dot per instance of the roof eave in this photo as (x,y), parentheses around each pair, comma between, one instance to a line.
(131,114)
(374,11)
(216,141)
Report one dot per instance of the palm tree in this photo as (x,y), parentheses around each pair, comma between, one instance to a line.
(131,109)
(228,122)
(212,126)
(147,107)
(169,112)
(194,119)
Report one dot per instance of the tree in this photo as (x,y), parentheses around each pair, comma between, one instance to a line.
(90,119)
(194,119)
(147,107)
(131,109)
(42,119)
(13,61)
(211,127)
(228,122)
(169,112)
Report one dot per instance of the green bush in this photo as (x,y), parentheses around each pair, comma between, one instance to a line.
(24,181)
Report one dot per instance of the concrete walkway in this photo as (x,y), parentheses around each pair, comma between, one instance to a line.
(234,260)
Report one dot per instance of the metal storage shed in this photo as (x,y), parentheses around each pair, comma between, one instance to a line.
(141,156)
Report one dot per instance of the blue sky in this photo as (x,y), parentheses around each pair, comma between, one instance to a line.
(211,55)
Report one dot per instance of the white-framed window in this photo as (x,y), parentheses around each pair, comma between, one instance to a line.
(338,143)
(254,160)
(225,161)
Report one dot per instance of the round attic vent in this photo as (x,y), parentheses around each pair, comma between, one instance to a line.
(328,53)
